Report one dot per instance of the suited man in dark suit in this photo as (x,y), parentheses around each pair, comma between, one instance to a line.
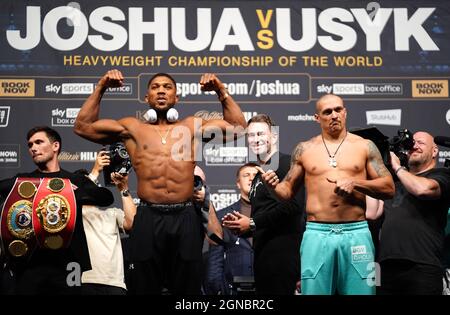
(235,258)
(277,226)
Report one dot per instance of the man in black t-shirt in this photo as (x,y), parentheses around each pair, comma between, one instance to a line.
(45,271)
(412,234)
(277,226)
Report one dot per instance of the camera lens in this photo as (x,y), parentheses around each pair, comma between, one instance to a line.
(123,153)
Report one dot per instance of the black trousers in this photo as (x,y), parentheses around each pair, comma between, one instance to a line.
(101,289)
(405,277)
(166,252)
(44,280)
(277,265)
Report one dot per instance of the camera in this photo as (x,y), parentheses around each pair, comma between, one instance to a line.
(198,183)
(120,162)
(401,145)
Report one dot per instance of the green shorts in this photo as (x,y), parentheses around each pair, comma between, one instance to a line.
(337,258)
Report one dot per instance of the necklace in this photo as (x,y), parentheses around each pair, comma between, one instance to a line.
(163,139)
(331,158)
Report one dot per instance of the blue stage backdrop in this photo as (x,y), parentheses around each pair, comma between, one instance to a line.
(389,60)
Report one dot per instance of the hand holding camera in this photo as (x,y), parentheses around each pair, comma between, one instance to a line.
(401,145)
(101,161)
(120,162)
(121,181)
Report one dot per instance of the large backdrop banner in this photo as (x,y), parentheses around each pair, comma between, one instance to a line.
(388,60)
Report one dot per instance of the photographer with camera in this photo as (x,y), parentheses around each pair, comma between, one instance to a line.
(102,227)
(412,234)
(167,237)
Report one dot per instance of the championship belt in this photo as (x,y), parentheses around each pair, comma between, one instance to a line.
(54,213)
(17,215)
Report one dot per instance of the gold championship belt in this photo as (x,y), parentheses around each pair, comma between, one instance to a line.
(54,213)
(17,217)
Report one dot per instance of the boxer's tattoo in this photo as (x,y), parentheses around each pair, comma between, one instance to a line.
(296,153)
(295,159)
(376,161)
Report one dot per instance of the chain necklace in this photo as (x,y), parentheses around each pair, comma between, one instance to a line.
(332,158)
(163,139)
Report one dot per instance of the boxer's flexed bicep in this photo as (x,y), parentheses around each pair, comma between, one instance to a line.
(105,131)
(88,125)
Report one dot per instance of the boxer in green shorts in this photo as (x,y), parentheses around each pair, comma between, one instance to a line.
(338,169)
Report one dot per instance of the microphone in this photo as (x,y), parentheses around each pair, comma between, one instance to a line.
(442,141)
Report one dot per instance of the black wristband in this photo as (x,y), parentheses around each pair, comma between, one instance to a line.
(400,168)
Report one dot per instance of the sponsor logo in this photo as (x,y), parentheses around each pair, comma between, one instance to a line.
(359,253)
(70,88)
(443,155)
(125,89)
(52,88)
(224,198)
(383,88)
(87,156)
(301,117)
(327,89)
(391,117)
(348,88)
(204,114)
(17,88)
(9,155)
(447,117)
(361,88)
(429,88)
(361,249)
(64,117)
(77,88)
(220,155)
(4,115)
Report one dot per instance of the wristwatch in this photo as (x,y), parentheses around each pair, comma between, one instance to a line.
(125,193)
(252,225)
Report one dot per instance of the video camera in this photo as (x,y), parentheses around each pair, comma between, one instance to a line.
(120,162)
(198,183)
(401,145)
